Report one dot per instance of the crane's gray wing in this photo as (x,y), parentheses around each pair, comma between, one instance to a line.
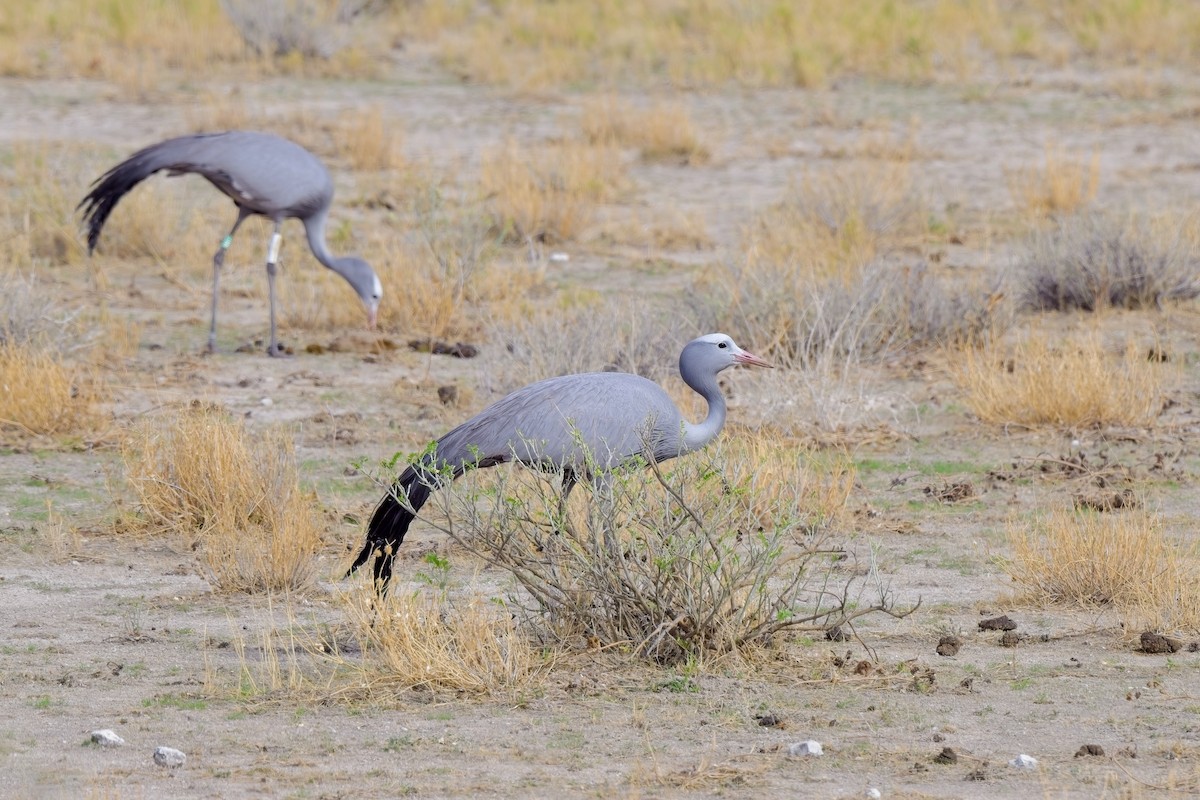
(605,418)
(261,172)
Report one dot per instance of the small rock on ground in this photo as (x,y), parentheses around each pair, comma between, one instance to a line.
(1089,750)
(107,738)
(1023,762)
(809,748)
(169,757)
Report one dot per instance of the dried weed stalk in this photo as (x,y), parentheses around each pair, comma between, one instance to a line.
(232,495)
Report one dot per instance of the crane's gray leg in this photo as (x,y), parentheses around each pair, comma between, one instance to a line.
(606,499)
(218,262)
(273,348)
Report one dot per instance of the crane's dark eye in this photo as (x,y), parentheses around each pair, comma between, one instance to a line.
(722,344)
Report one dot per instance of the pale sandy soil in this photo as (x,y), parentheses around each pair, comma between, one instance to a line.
(121,633)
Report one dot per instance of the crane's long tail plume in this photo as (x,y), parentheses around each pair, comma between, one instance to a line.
(110,187)
(390,523)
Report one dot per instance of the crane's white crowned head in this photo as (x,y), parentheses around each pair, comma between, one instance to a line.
(714,352)
(365,282)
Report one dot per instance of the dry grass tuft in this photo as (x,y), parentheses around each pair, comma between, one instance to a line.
(662,132)
(42,394)
(368,141)
(548,195)
(421,640)
(836,222)
(1063,185)
(1123,560)
(231,494)
(1077,383)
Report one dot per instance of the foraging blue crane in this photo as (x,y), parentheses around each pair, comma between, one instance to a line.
(600,420)
(263,174)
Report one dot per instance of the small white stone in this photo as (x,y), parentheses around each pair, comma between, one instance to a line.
(107,738)
(873,793)
(168,757)
(266,401)
(560,258)
(809,748)
(1023,762)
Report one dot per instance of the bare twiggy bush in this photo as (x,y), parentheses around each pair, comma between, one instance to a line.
(549,194)
(308,28)
(882,309)
(31,315)
(43,394)
(1063,185)
(662,132)
(232,495)
(1124,560)
(1096,261)
(1075,383)
(671,563)
(609,337)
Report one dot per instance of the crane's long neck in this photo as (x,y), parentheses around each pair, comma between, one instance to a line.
(314,227)
(700,434)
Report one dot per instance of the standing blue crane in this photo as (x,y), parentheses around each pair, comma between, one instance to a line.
(591,422)
(263,174)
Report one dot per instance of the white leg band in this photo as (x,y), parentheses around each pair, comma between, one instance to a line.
(273,252)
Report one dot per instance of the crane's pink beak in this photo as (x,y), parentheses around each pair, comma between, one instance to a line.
(372,313)
(751,360)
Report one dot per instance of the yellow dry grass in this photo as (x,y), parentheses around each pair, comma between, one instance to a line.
(368,141)
(835,222)
(420,639)
(233,495)
(1124,560)
(42,394)
(549,193)
(385,647)
(768,471)
(662,132)
(1075,383)
(1064,184)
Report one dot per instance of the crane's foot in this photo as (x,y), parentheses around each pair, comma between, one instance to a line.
(277,350)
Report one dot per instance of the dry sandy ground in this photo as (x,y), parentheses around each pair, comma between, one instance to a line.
(121,633)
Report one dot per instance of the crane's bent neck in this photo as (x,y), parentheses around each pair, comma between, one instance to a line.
(698,435)
(314,227)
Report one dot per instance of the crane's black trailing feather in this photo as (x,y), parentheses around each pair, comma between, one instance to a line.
(390,523)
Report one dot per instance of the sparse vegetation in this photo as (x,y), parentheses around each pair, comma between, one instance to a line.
(1124,560)
(1077,383)
(1096,261)
(232,495)
(673,562)
(1063,185)
(548,195)
(662,132)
